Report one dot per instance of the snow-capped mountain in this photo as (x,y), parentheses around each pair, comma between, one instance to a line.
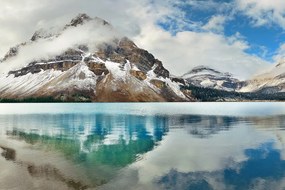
(85,60)
(272,81)
(203,76)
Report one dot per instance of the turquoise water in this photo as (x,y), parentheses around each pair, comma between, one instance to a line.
(142,146)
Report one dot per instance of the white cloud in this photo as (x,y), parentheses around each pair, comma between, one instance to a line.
(263,12)
(216,23)
(187,49)
(210,5)
(137,20)
(71,37)
(159,162)
(280,54)
(19,19)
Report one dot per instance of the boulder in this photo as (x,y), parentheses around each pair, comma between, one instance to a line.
(138,74)
(158,83)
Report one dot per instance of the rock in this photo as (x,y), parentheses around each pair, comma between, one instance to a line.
(127,50)
(8,153)
(188,94)
(40,34)
(12,52)
(178,80)
(158,83)
(97,68)
(138,74)
(160,70)
(80,19)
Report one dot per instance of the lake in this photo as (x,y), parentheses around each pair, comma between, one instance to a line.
(135,146)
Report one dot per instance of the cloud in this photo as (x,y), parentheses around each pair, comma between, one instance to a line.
(181,47)
(19,20)
(187,49)
(210,5)
(159,162)
(263,12)
(280,54)
(72,37)
(216,23)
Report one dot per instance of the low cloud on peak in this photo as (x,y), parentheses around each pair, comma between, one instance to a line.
(90,32)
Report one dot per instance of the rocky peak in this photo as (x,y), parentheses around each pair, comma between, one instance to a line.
(127,50)
(42,34)
(83,18)
(13,51)
(206,77)
(47,33)
(80,19)
(205,70)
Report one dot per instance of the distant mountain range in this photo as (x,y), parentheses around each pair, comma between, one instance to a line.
(87,60)
(207,84)
(206,77)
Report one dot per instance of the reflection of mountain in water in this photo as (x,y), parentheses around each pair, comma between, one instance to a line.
(94,133)
(101,143)
(106,143)
(91,133)
(204,126)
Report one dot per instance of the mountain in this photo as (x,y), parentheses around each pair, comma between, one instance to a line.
(203,76)
(207,84)
(85,60)
(270,82)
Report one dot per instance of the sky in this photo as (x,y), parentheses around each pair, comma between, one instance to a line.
(243,37)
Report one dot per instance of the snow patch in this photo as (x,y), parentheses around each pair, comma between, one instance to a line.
(134,67)
(118,71)
(172,85)
(53,62)
(207,83)
(78,76)
(27,84)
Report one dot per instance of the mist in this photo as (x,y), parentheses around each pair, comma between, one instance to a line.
(92,34)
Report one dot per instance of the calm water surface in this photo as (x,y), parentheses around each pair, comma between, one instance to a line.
(142,146)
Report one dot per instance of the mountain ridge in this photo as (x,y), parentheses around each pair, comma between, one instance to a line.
(204,76)
(109,68)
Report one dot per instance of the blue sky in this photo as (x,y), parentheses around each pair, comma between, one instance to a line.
(263,40)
